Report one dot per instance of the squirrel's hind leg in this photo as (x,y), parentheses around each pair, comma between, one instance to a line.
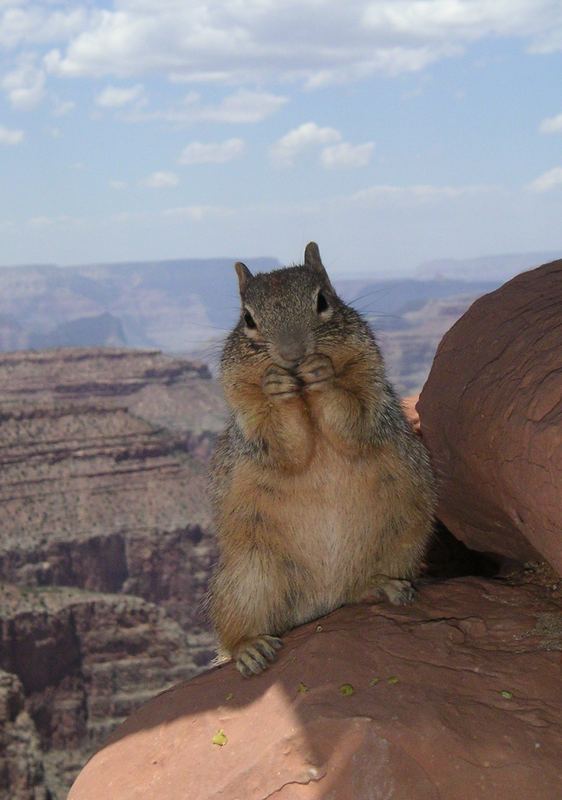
(248,605)
(398,591)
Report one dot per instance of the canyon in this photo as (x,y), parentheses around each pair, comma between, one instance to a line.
(105,548)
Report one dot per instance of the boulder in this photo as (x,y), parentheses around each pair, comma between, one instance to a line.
(455,696)
(409,406)
(491,416)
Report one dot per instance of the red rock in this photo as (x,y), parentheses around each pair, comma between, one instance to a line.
(426,717)
(409,408)
(491,414)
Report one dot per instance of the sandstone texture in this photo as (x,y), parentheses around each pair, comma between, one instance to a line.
(458,696)
(105,548)
(491,415)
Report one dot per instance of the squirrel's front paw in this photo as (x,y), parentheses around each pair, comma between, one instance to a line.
(316,371)
(279,383)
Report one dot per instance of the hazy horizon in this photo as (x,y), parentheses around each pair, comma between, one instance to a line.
(500,266)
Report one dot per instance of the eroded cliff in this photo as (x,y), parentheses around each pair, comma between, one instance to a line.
(105,548)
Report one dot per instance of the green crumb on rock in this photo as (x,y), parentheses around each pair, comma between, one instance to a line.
(507,695)
(392,680)
(346,689)
(220,738)
(302,688)
(374,681)
(229,696)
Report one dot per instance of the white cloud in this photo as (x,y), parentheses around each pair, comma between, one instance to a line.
(211,152)
(414,194)
(41,222)
(161,180)
(241,107)
(41,23)
(196,213)
(49,222)
(336,152)
(309,134)
(62,107)
(347,155)
(24,85)
(118,96)
(552,179)
(551,124)
(9,136)
(234,42)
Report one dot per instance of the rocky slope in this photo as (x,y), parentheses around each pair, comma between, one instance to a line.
(409,348)
(105,548)
(455,697)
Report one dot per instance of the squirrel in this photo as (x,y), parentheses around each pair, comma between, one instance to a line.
(322,493)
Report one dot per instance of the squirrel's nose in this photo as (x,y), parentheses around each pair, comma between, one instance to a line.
(291,352)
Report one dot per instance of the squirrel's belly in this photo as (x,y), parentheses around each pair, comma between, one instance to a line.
(333,517)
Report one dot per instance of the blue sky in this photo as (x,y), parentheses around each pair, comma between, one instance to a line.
(391,132)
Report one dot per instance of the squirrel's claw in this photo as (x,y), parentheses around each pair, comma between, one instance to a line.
(279,383)
(399,592)
(253,657)
(316,370)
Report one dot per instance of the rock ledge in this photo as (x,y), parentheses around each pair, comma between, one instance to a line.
(460,690)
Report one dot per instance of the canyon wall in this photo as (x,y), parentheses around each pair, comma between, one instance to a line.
(105,548)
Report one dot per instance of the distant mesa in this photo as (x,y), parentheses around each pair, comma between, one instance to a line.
(186,306)
(492,268)
(102,330)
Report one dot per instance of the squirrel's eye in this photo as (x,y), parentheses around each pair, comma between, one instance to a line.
(249,320)
(321,303)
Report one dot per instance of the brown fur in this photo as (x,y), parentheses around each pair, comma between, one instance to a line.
(322,492)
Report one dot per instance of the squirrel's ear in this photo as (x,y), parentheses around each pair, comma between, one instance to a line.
(312,257)
(313,261)
(244,276)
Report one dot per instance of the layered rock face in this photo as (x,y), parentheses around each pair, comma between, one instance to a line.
(409,349)
(105,547)
(77,663)
(491,414)
(456,696)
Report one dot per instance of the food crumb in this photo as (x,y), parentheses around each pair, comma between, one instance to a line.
(220,738)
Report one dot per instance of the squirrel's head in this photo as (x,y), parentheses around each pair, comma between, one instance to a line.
(288,311)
